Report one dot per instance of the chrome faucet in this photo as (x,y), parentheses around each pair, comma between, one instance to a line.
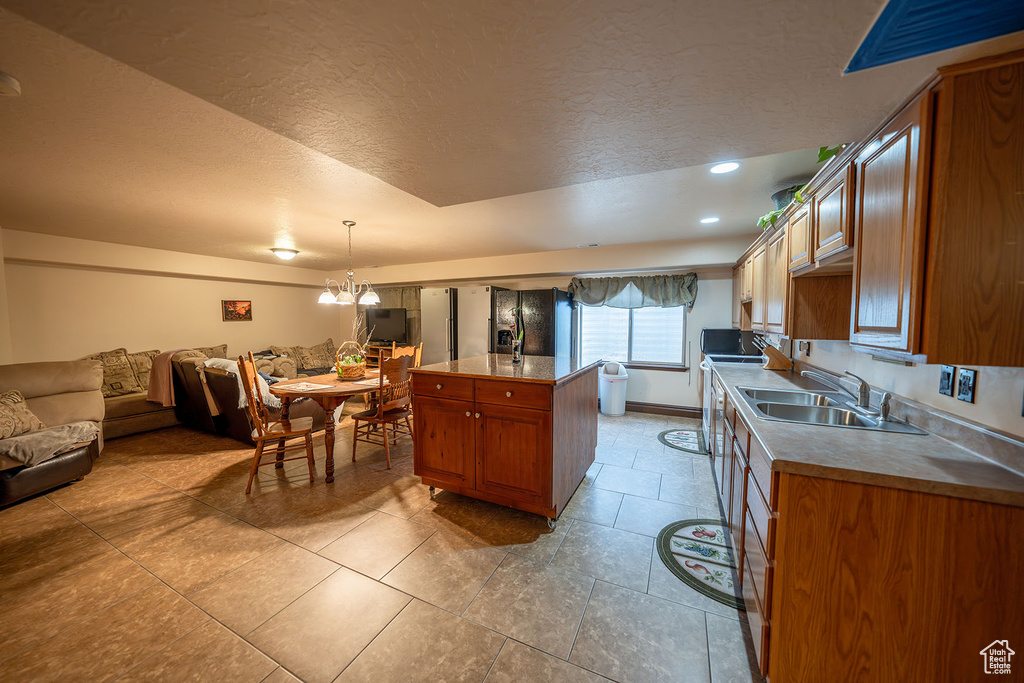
(863,395)
(883,407)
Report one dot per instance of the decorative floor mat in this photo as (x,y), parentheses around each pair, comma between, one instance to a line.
(689,440)
(695,550)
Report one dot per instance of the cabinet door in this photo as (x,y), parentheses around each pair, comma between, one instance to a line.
(799,236)
(833,215)
(888,256)
(513,453)
(748,278)
(737,503)
(445,443)
(777,278)
(737,295)
(757,290)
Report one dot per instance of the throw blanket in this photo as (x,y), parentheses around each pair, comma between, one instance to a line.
(161,383)
(41,445)
(231,366)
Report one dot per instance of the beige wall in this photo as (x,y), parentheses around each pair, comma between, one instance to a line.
(6,354)
(68,298)
(998,394)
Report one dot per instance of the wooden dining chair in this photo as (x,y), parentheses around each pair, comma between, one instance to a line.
(388,420)
(415,351)
(266,429)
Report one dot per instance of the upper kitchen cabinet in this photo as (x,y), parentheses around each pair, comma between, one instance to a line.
(832,215)
(799,230)
(777,280)
(737,296)
(748,279)
(890,208)
(757,290)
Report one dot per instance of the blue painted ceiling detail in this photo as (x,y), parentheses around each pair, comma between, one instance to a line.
(911,28)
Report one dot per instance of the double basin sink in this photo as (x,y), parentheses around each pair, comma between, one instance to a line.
(827,408)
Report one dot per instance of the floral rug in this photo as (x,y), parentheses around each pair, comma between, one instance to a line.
(689,440)
(695,550)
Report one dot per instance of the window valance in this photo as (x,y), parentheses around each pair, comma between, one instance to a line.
(639,291)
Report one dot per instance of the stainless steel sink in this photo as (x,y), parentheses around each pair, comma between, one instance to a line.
(815,415)
(797,398)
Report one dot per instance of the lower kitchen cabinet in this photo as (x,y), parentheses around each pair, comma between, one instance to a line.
(446,428)
(513,451)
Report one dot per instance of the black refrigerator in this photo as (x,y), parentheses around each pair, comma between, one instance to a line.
(547,321)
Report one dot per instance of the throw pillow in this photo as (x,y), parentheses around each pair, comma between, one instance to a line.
(299,354)
(15,417)
(324,354)
(142,363)
(118,377)
(220,351)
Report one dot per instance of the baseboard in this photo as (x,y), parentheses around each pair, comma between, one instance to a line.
(663,409)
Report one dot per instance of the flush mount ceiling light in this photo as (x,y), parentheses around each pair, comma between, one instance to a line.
(727,167)
(587,246)
(709,219)
(348,292)
(283,253)
(9,85)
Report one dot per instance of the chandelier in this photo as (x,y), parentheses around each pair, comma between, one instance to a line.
(349,292)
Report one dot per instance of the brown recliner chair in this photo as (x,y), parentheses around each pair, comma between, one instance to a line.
(58,393)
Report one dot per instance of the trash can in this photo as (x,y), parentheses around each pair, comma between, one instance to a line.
(612,388)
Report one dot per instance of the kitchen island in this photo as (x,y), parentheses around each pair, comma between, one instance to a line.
(521,435)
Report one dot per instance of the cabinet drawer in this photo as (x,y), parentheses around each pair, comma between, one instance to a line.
(764,520)
(520,394)
(761,467)
(742,434)
(730,411)
(441,386)
(759,630)
(758,566)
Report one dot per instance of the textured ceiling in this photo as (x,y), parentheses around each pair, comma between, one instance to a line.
(236,128)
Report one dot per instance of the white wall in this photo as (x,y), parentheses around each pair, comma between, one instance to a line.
(999,392)
(68,298)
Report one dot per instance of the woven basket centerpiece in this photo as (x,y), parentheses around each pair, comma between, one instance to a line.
(350,361)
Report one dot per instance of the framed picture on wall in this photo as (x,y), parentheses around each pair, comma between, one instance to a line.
(234,311)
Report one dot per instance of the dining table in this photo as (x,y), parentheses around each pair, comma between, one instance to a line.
(331,393)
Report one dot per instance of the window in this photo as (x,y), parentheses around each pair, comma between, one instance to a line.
(637,335)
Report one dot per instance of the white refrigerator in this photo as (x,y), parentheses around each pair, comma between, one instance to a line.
(436,323)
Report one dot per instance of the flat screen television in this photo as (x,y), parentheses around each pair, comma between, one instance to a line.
(386,324)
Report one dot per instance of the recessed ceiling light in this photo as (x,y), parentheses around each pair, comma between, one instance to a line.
(284,253)
(727,167)
(709,219)
(587,246)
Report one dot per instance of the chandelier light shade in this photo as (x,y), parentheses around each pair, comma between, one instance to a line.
(349,292)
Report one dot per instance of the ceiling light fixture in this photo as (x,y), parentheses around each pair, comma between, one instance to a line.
(348,292)
(727,167)
(709,219)
(587,246)
(9,85)
(284,253)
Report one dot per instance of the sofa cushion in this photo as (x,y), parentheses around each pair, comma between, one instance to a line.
(321,355)
(220,351)
(130,404)
(118,376)
(41,445)
(142,363)
(15,417)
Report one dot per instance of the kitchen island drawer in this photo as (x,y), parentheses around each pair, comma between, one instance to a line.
(519,394)
(443,386)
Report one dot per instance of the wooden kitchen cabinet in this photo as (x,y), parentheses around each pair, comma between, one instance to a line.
(777,281)
(445,430)
(757,288)
(799,231)
(832,215)
(737,296)
(748,278)
(888,264)
(513,452)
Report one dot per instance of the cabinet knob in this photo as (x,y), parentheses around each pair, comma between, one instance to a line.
(477,416)
(508,394)
(439,387)
(467,413)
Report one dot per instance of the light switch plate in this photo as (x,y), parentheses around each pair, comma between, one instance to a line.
(947,379)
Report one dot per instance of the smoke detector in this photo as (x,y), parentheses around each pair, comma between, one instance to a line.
(9,85)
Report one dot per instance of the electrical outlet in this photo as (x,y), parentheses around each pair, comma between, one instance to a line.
(968,384)
(805,348)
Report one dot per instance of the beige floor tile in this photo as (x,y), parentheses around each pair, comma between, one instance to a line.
(248,596)
(523,533)
(517,663)
(594,505)
(227,492)
(314,529)
(189,564)
(689,491)
(177,517)
(320,634)
(731,651)
(536,604)
(626,635)
(112,510)
(280,504)
(619,557)
(374,547)
(456,514)
(29,518)
(109,643)
(591,475)
(211,652)
(280,675)
(402,498)
(67,600)
(359,484)
(620,456)
(676,463)
(633,482)
(649,517)
(446,571)
(665,584)
(426,644)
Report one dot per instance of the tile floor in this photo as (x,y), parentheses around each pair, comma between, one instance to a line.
(158,567)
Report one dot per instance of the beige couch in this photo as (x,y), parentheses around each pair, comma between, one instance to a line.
(58,393)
